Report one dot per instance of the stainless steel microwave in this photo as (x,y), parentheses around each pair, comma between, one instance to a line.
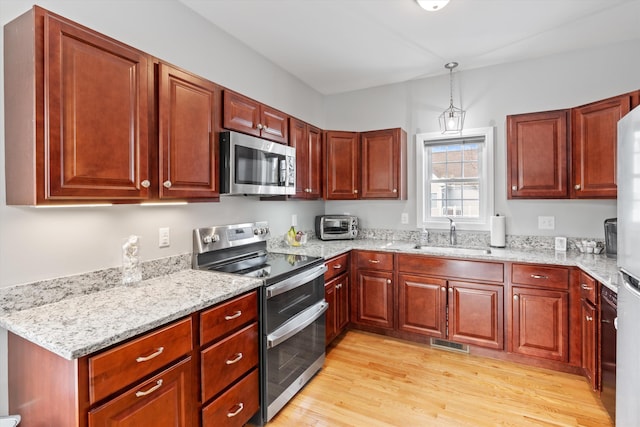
(336,227)
(255,166)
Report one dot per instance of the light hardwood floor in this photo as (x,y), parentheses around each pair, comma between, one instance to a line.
(374,381)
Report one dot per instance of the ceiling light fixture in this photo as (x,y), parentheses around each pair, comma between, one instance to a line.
(432,5)
(451,119)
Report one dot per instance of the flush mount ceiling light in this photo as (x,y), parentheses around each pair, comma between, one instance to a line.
(432,5)
(451,119)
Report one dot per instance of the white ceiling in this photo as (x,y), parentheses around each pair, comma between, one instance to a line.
(342,45)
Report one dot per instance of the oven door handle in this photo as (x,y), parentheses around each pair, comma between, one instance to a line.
(295,281)
(298,323)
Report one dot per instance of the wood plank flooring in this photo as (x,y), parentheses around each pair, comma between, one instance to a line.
(374,381)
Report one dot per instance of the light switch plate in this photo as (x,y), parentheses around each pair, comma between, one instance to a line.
(404,218)
(164,237)
(561,244)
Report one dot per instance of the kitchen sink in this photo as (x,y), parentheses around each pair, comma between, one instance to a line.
(452,250)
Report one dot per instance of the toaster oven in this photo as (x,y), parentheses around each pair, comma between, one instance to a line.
(336,227)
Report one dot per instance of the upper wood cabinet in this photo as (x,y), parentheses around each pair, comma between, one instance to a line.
(537,155)
(384,164)
(76,119)
(188,128)
(342,165)
(566,153)
(248,116)
(594,141)
(367,165)
(307,140)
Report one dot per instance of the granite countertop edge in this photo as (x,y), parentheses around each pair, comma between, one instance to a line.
(79,325)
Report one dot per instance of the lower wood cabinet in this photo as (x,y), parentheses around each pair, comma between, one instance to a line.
(375,301)
(590,329)
(422,305)
(235,406)
(336,293)
(164,400)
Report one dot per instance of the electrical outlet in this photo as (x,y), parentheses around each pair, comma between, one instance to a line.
(404,218)
(163,237)
(546,223)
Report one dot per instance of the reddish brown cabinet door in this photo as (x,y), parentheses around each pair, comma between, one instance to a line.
(307,140)
(342,309)
(251,117)
(589,321)
(476,314)
(83,133)
(540,323)
(422,304)
(594,144)
(330,295)
(537,150)
(374,298)
(342,166)
(189,107)
(383,154)
(164,400)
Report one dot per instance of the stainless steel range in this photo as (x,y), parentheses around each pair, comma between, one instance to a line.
(291,302)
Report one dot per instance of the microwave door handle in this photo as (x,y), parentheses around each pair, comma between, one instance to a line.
(297,324)
(295,281)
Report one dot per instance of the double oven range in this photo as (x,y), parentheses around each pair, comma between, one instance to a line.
(292,305)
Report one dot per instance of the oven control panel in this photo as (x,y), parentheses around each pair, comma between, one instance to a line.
(220,237)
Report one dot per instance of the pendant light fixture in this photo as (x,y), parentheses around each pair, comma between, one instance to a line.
(432,5)
(451,119)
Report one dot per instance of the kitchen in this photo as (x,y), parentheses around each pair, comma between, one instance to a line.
(93,236)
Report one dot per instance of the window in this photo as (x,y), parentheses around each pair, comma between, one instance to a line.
(455,179)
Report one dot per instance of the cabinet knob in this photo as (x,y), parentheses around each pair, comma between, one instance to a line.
(589,318)
(443,289)
(514,188)
(167,184)
(339,286)
(259,126)
(395,190)
(388,281)
(577,186)
(145,183)
(355,191)
(516,297)
(451,290)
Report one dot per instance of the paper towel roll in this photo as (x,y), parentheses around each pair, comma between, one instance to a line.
(497,225)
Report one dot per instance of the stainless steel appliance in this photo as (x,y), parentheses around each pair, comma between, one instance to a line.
(255,166)
(628,256)
(336,227)
(292,305)
(608,309)
(611,237)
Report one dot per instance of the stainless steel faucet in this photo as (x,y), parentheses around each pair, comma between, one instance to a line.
(452,232)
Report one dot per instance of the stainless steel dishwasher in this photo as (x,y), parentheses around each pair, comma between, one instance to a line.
(609,310)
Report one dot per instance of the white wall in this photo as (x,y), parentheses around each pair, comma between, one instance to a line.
(46,243)
(489,95)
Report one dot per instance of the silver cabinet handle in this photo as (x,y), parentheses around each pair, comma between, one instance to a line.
(514,188)
(374,261)
(151,390)
(167,184)
(235,359)
(538,276)
(236,412)
(145,183)
(157,353)
(234,315)
(577,186)
(515,297)
(337,266)
(586,288)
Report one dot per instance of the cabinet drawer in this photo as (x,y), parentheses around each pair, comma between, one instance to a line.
(226,317)
(452,268)
(541,276)
(588,288)
(236,406)
(374,260)
(115,369)
(166,396)
(227,360)
(336,266)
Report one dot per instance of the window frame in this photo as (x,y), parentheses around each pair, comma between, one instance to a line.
(486,179)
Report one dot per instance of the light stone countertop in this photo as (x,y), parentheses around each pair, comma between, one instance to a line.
(78,315)
(80,325)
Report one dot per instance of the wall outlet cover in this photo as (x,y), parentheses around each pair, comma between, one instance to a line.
(561,244)
(546,223)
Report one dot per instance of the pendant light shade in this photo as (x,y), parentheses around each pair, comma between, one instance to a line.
(451,119)
(432,5)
